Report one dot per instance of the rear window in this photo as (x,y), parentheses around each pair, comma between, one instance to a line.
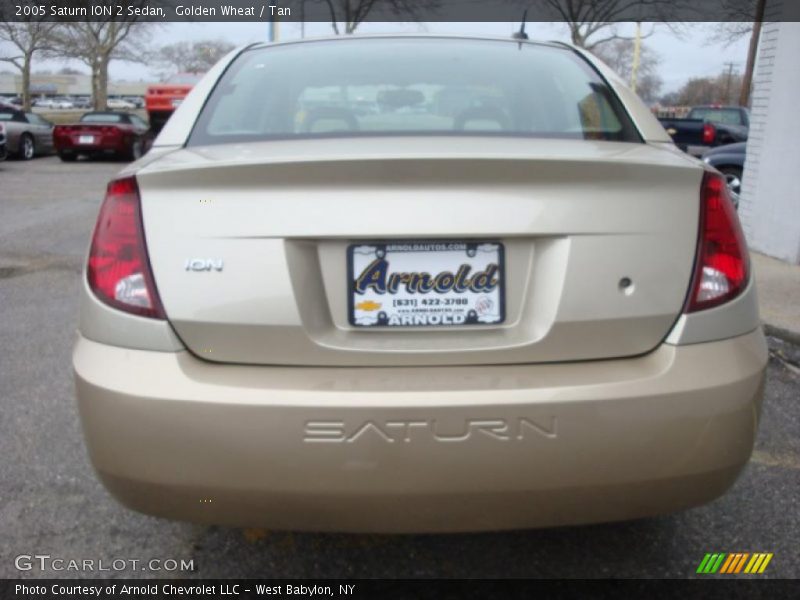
(10,115)
(185,79)
(726,116)
(410,86)
(101,118)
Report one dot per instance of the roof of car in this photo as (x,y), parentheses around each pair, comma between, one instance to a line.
(385,36)
(7,106)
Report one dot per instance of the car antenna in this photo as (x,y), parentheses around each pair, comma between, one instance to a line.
(521,35)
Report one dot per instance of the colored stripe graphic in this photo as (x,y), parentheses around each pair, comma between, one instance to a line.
(754,563)
(703,563)
(717,564)
(740,564)
(734,563)
(765,563)
(758,563)
(726,566)
(711,563)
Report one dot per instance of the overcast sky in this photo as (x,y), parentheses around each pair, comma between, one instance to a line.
(680,58)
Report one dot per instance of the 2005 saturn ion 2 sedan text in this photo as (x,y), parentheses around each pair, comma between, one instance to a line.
(417,283)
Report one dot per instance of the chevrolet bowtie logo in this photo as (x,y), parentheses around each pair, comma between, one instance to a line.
(368,305)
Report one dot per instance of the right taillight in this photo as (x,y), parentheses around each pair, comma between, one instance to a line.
(119,269)
(722,266)
(709,132)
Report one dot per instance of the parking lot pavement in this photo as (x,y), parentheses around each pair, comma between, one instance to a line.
(51,503)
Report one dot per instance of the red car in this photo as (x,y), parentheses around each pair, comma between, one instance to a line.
(113,134)
(162,99)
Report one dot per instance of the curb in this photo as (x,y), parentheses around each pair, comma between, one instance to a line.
(787,335)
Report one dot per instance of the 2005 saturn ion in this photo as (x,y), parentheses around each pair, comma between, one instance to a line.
(417,284)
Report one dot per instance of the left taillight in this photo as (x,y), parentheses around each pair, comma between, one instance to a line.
(119,271)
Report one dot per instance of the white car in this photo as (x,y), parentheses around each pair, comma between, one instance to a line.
(44,103)
(502,298)
(117,104)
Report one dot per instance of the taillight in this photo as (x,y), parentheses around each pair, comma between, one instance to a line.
(119,270)
(709,133)
(722,266)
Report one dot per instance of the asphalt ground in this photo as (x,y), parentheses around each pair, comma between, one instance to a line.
(51,503)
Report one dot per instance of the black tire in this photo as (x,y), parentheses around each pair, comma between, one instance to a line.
(136,150)
(733,175)
(67,157)
(27,148)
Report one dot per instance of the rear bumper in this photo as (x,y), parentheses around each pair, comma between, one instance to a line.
(70,147)
(429,449)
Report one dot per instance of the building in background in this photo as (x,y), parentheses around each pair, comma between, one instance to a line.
(770,200)
(67,85)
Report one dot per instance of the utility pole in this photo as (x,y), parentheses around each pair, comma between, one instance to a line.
(747,80)
(637,51)
(274,29)
(728,82)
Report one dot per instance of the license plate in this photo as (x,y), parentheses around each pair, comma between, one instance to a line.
(86,139)
(426,284)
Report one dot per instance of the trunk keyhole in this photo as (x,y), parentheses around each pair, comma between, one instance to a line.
(626,286)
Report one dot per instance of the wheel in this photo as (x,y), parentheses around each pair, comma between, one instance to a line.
(136,150)
(66,157)
(27,149)
(733,176)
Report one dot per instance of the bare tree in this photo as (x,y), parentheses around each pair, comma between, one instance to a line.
(592,22)
(739,17)
(706,90)
(746,17)
(192,57)
(351,13)
(96,44)
(27,38)
(618,54)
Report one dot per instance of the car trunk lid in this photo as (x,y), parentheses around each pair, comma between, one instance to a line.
(249,245)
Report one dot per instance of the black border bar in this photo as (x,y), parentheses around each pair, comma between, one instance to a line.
(248,589)
(393,10)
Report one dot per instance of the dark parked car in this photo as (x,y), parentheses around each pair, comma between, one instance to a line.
(729,160)
(707,127)
(103,133)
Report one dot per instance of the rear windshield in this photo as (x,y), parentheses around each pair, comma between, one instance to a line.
(185,79)
(101,118)
(410,86)
(727,116)
(9,116)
